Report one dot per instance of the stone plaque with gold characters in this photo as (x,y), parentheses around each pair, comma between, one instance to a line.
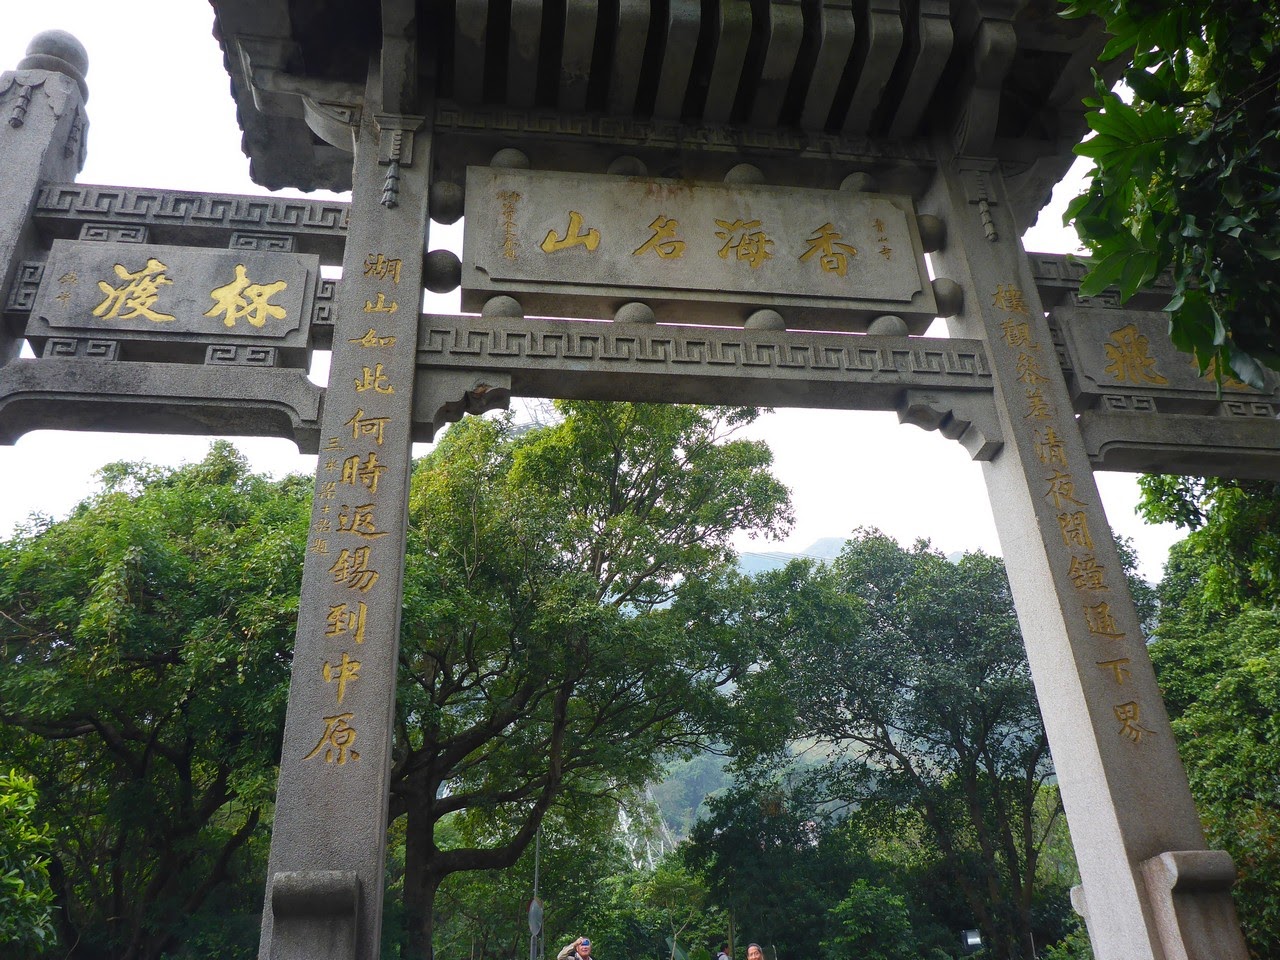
(171,303)
(1115,352)
(582,245)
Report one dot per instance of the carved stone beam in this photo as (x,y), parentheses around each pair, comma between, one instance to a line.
(470,37)
(523,45)
(628,55)
(834,25)
(91,394)
(877,42)
(684,19)
(400,117)
(984,27)
(939,384)
(785,32)
(928,49)
(732,30)
(400,57)
(580,25)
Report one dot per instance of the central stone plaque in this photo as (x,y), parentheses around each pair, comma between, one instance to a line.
(578,245)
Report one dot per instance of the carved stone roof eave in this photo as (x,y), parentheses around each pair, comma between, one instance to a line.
(1011,85)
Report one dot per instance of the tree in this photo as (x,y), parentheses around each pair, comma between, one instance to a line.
(25,898)
(1217,658)
(921,698)
(1222,687)
(873,923)
(540,664)
(484,913)
(145,650)
(1186,177)
(1231,555)
(770,862)
(676,896)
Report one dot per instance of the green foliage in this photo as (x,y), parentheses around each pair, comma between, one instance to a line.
(872,923)
(559,642)
(1217,657)
(1231,556)
(26,901)
(682,793)
(772,859)
(1222,687)
(1186,177)
(907,671)
(1074,946)
(145,654)
(678,897)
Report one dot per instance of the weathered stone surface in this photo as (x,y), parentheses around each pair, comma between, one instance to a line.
(695,252)
(170,303)
(1017,68)
(42,133)
(196,219)
(84,391)
(1124,789)
(331,803)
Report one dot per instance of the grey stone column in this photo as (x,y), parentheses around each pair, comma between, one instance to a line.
(325,878)
(1150,890)
(42,137)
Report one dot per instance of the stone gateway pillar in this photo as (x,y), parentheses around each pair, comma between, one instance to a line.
(328,845)
(42,110)
(1150,888)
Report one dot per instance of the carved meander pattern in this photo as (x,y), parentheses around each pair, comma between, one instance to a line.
(469,346)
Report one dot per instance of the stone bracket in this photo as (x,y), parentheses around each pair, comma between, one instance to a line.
(317,914)
(1189,892)
(442,397)
(969,418)
(1182,444)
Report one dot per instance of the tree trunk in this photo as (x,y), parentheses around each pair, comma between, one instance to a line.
(420,881)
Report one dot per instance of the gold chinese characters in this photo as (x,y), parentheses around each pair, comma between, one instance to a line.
(140,294)
(746,240)
(1088,578)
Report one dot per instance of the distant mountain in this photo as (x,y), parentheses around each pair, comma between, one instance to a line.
(828,548)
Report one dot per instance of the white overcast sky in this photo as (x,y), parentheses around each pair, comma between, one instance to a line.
(161,115)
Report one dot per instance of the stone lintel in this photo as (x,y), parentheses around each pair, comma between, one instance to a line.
(660,363)
(1246,447)
(191,218)
(469,135)
(77,393)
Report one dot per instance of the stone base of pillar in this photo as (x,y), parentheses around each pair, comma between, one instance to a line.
(316,914)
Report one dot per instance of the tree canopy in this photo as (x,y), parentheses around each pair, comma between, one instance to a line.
(904,673)
(1217,657)
(26,922)
(1186,173)
(551,653)
(145,647)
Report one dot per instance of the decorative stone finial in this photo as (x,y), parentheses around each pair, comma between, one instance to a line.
(765,320)
(58,52)
(634,312)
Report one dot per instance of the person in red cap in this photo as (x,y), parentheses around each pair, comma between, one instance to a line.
(580,949)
